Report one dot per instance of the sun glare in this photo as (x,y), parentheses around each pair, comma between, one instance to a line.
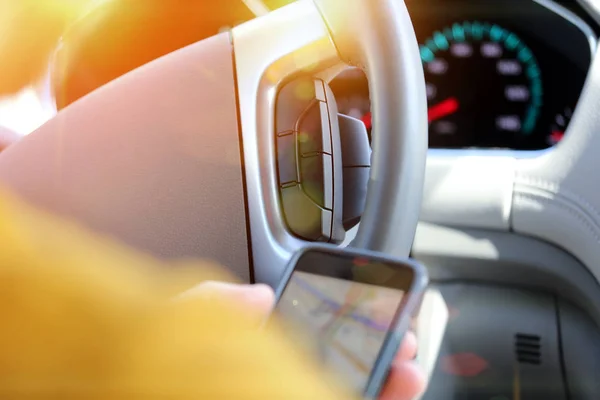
(25,111)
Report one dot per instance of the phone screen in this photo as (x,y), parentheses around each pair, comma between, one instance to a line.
(346,306)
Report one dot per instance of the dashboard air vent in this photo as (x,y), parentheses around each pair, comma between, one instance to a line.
(528,349)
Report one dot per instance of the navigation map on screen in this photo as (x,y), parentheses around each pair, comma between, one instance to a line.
(347,321)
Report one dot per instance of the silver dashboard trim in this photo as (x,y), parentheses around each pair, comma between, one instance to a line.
(573,19)
(592,7)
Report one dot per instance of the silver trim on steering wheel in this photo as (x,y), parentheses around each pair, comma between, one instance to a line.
(268,50)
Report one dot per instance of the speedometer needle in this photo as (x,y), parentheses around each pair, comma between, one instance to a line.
(443,109)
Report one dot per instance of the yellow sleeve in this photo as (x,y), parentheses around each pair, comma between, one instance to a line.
(85,318)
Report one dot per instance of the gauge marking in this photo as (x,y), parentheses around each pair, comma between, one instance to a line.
(509,67)
(426,54)
(440,41)
(523,64)
(557,129)
(477,30)
(458,32)
(525,55)
(512,41)
(496,33)
(533,71)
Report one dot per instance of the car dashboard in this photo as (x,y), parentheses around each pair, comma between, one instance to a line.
(502,76)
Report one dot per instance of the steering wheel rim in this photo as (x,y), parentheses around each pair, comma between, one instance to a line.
(378,36)
(311,37)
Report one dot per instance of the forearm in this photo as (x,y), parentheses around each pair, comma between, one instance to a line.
(84,317)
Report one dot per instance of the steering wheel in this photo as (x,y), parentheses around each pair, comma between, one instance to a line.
(178,158)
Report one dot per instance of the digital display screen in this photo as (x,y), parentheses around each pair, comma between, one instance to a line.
(346,311)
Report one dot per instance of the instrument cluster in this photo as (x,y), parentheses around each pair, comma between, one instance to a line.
(499,75)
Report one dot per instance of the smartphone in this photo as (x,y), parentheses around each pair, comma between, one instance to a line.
(354,307)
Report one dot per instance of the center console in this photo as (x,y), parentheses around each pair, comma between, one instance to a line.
(507,318)
(503,343)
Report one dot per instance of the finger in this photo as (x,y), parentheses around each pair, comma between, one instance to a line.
(408,349)
(258,298)
(405,382)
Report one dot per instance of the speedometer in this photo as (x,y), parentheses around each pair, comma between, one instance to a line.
(484,86)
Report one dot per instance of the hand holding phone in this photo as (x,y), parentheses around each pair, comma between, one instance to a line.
(355,307)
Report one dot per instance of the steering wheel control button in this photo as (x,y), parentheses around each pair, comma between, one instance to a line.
(316,175)
(311,176)
(310,160)
(293,99)
(314,135)
(308,220)
(286,159)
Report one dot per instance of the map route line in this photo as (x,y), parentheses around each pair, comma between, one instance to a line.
(336,306)
(351,303)
(350,357)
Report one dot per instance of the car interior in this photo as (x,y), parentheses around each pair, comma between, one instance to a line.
(462,133)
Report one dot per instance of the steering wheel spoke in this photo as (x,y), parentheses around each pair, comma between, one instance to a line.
(312,39)
(269,51)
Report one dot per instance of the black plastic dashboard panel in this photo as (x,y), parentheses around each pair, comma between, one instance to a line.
(505,343)
(500,343)
(506,292)
(501,74)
